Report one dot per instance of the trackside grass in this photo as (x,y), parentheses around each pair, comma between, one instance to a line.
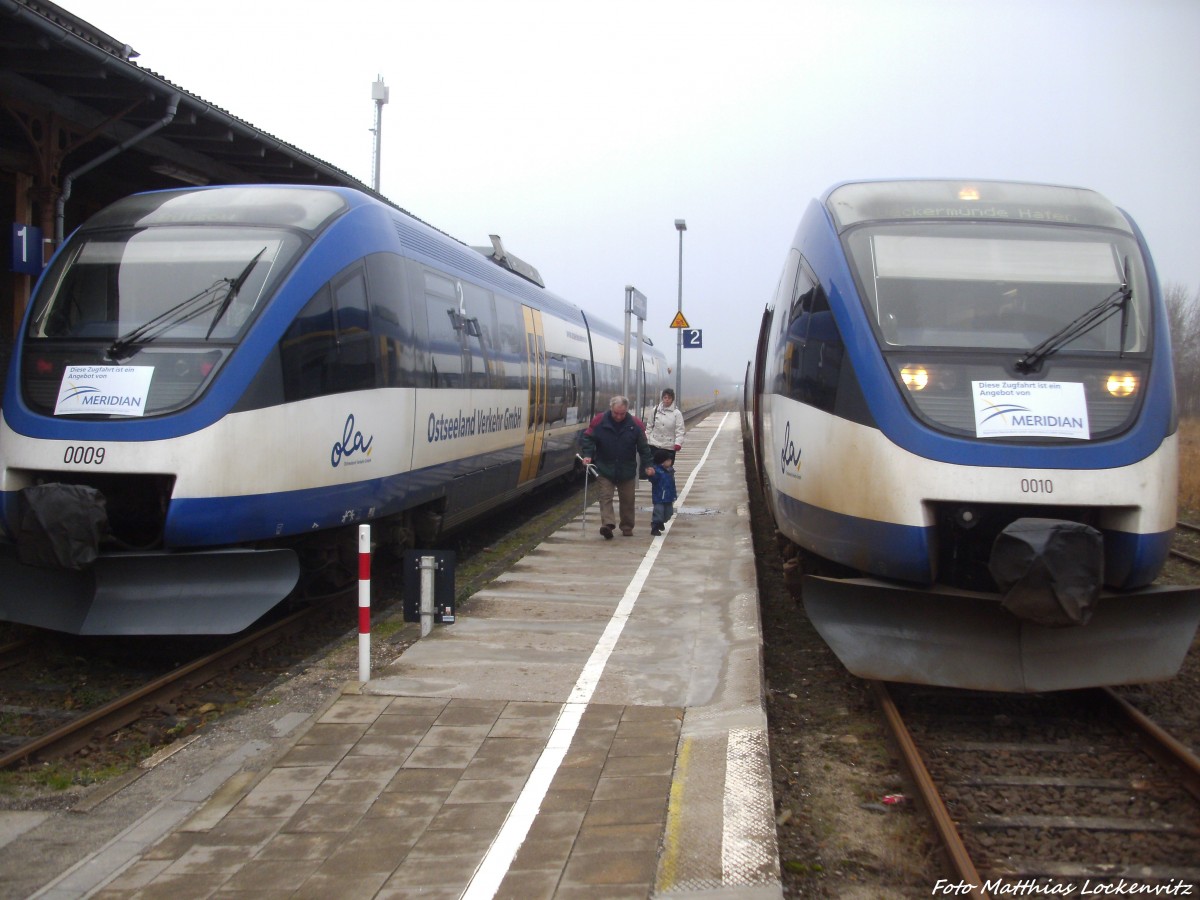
(1189,469)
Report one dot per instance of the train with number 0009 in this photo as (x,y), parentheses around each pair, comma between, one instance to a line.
(211,384)
(963,419)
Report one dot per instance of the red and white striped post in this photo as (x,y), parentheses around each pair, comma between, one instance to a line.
(364,603)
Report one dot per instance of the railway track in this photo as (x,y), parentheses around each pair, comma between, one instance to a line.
(79,731)
(1073,790)
(1190,537)
(14,652)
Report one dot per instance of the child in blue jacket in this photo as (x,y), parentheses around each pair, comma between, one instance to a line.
(662,490)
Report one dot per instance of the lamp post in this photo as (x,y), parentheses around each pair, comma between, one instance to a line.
(681,227)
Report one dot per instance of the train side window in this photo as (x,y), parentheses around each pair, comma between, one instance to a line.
(798,302)
(807,299)
(354,362)
(784,295)
(307,347)
(480,328)
(785,291)
(391,319)
(556,389)
(813,350)
(445,338)
(608,384)
(509,345)
(328,348)
(574,377)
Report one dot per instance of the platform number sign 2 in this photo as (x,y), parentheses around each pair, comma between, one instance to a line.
(692,338)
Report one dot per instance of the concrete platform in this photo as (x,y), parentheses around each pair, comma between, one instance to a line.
(593,726)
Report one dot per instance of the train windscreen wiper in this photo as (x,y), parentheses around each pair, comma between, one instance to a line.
(194,306)
(234,287)
(184,311)
(1116,302)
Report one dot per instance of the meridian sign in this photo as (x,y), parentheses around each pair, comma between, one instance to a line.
(116,390)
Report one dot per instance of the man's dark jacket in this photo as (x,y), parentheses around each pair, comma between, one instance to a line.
(615,447)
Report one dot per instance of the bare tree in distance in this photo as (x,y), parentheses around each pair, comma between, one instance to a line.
(1183,318)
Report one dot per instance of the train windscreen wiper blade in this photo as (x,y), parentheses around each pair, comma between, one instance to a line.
(184,311)
(1114,303)
(191,308)
(234,287)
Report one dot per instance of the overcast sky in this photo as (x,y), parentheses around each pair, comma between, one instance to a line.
(580,132)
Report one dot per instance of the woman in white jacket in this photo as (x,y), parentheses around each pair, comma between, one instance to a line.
(665,428)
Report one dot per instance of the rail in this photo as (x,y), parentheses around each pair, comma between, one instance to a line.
(929,797)
(697,412)
(1173,763)
(1186,557)
(1166,750)
(128,708)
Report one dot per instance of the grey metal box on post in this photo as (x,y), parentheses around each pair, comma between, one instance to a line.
(443,585)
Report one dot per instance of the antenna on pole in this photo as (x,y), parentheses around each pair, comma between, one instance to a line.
(379,93)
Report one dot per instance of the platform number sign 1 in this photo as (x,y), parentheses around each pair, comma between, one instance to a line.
(26,249)
(692,338)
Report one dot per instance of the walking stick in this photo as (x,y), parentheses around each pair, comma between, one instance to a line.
(588,470)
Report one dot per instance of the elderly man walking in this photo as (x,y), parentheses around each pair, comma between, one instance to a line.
(615,443)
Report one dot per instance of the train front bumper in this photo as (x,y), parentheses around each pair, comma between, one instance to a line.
(215,592)
(953,638)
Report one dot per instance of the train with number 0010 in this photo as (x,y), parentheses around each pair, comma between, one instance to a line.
(963,419)
(211,384)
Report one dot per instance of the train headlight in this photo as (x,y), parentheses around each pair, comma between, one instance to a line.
(1122,384)
(915,377)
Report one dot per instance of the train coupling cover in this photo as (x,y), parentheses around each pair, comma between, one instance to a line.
(210,592)
(966,639)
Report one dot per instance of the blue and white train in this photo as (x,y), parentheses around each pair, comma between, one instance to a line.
(963,396)
(209,380)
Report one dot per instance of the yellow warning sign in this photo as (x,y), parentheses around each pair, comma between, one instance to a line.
(679,321)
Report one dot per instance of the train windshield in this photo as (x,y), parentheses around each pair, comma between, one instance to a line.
(182,284)
(169,300)
(974,285)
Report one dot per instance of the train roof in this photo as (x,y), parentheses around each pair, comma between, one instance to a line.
(852,203)
(311,207)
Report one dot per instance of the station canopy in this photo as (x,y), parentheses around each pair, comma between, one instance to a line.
(71,93)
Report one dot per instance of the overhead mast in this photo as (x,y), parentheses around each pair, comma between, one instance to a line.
(379,93)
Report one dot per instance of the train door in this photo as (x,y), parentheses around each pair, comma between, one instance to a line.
(535,354)
(755,389)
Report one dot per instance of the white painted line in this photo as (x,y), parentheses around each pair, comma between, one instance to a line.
(746,858)
(491,871)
